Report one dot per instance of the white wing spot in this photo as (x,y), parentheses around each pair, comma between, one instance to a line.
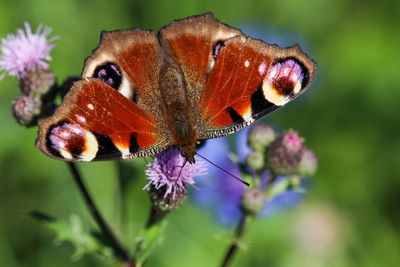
(262,68)
(80,118)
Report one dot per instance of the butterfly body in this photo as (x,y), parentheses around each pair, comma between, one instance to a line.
(180,119)
(197,79)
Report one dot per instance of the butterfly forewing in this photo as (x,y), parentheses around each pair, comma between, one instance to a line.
(249,80)
(135,55)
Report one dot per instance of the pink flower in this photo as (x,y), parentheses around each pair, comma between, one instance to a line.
(25,51)
(166,172)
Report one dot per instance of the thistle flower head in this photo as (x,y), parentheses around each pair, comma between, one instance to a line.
(284,154)
(292,141)
(260,137)
(308,163)
(169,173)
(253,201)
(25,51)
(25,108)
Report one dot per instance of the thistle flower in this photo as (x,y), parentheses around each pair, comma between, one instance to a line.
(284,154)
(25,108)
(260,137)
(253,201)
(37,82)
(308,163)
(25,51)
(256,160)
(169,176)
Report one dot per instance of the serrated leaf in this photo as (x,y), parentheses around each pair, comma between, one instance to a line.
(74,232)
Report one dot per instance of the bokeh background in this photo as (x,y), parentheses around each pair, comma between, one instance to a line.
(349,117)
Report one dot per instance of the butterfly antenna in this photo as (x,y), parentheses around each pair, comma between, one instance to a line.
(215,165)
(186,161)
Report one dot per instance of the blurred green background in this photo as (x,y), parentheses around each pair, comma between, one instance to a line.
(349,117)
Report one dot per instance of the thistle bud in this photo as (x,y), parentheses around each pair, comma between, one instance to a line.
(285,153)
(253,201)
(37,82)
(25,109)
(167,202)
(308,163)
(256,161)
(260,137)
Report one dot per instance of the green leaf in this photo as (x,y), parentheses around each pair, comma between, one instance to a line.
(74,232)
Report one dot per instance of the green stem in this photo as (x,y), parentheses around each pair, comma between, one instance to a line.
(150,235)
(155,216)
(240,229)
(94,211)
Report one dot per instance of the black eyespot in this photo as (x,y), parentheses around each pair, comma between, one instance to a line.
(110,74)
(217,47)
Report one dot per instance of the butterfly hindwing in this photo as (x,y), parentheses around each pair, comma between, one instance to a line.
(96,122)
(249,80)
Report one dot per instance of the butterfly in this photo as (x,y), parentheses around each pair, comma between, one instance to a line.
(143,92)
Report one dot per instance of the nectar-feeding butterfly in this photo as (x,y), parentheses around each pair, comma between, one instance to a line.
(143,92)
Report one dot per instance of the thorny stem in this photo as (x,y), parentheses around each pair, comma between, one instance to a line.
(94,211)
(240,229)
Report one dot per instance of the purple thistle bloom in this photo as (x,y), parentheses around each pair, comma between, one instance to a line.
(166,171)
(25,51)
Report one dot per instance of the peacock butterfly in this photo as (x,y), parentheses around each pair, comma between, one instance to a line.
(143,92)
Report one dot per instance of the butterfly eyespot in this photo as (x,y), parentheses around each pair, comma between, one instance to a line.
(288,76)
(217,47)
(285,78)
(70,141)
(110,74)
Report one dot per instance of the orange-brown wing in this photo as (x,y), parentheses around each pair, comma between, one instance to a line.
(129,61)
(249,80)
(96,122)
(115,110)
(193,43)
